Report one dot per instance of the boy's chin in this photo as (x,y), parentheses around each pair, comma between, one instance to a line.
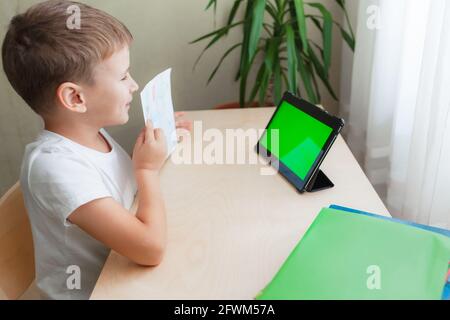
(119,122)
(125,121)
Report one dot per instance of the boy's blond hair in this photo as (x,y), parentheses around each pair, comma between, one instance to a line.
(41,50)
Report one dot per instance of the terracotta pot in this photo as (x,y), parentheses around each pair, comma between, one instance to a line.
(235,105)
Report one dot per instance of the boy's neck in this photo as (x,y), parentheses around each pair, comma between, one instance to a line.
(82,134)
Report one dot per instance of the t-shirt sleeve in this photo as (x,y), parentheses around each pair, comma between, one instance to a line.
(61,181)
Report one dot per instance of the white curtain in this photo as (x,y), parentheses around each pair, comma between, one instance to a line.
(398,107)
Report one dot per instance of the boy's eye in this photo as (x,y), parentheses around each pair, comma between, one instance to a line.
(125,78)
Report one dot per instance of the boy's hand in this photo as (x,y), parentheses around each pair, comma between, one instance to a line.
(181,123)
(150,150)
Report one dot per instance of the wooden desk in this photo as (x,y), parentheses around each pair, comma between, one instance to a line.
(229,227)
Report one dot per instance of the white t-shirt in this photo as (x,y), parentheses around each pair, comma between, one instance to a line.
(58,176)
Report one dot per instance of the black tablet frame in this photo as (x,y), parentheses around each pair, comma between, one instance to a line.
(314,176)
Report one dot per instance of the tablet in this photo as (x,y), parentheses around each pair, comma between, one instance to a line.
(297,139)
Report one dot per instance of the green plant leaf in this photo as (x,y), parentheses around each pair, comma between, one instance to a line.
(285,79)
(277,82)
(267,28)
(348,38)
(233,11)
(301,23)
(218,34)
(215,32)
(279,4)
(317,23)
(341,3)
(264,85)
(257,23)
(272,66)
(307,81)
(222,59)
(310,69)
(292,59)
(320,70)
(271,51)
(317,47)
(327,33)
(265,71)
(258,81)
(244,64)
(272,11)
(210,3)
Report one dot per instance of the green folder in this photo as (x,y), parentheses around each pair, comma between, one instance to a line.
(349,256)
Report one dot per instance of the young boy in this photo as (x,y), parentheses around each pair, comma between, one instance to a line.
(78,183)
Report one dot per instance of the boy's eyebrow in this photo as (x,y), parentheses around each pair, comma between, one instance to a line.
(126,71)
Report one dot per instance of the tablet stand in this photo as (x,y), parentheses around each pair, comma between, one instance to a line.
(319,182)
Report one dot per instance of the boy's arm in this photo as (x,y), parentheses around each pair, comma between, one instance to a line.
(141,238)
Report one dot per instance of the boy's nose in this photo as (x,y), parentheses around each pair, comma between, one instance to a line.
(135,86)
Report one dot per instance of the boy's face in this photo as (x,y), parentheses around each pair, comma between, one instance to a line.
(108,100)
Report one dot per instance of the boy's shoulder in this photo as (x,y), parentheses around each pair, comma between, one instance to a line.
(45,148)
(49,156)
(47,140)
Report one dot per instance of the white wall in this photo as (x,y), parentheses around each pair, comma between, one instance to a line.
(162,30)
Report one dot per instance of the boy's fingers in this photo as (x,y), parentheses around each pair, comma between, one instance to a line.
(141,134)
(141,137)
(159,134)
(149,124)
(185,124)
(179,114)
(149,135)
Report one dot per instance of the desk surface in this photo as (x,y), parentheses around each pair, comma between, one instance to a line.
(229,227)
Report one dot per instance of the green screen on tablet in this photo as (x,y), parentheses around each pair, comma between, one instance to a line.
(301,138)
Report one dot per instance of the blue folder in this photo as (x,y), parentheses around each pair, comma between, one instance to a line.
(417,225)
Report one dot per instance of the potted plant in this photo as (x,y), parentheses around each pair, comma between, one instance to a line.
(289,56)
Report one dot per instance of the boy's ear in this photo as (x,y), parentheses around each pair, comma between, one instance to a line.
(71,97)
